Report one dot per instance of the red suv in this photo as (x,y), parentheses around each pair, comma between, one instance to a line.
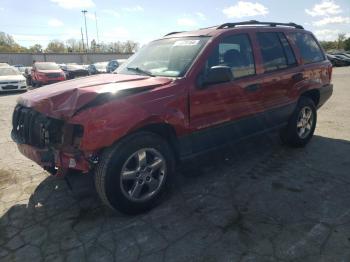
(181,95)
(44,73)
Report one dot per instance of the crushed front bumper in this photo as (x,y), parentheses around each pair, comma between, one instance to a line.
(54,161)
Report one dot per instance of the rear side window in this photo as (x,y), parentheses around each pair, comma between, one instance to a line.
(272,51)
(236,52)
(309,49)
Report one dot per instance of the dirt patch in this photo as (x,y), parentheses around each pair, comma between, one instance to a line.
(6,177)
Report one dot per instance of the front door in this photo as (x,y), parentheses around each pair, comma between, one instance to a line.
(224,111)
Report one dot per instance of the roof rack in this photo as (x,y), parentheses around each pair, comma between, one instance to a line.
(172,33)
(254,22)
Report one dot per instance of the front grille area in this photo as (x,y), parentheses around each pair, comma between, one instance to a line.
(53,75)
(8,82)
(33,128)
(9,87)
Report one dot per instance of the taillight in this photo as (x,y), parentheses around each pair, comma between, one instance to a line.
(330,70)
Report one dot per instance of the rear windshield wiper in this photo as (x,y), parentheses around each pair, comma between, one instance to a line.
(140,70)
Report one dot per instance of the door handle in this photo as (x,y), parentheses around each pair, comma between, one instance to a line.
(298,77)
(252,88)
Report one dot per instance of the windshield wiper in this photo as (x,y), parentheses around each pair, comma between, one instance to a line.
(140,70)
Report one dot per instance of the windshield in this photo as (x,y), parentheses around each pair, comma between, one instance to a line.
(166,57)
(101,65)
(8,71)
(74,67)
(47,66)
(21,69)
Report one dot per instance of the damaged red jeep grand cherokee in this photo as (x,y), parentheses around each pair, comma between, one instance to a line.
(178,96)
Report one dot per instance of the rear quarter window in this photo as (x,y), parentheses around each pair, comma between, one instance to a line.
(309,49)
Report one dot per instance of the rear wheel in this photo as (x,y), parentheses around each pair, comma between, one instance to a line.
(133,174)
(301,125)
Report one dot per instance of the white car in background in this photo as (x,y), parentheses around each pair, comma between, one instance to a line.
(11,79)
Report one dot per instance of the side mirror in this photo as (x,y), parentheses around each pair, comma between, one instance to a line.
(215,75)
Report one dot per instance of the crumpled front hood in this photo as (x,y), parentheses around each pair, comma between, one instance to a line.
(63,99)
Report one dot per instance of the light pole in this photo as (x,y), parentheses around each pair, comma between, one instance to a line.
(98,39)
(82,39)
(87,38)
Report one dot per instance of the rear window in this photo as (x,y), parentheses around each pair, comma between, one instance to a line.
(309,49)
(272,51)
(47,66)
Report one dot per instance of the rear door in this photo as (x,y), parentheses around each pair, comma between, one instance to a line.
(316,71)
(280,74)
(215,110)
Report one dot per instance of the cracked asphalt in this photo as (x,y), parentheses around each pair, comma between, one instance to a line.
(254,201)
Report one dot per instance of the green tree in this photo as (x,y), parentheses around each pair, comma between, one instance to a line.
(36,48)
(56,46)
(347,44)
(329,45)
(8,44)
(341,38)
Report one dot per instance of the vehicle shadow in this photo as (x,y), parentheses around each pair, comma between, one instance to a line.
(247,189)
(11,93)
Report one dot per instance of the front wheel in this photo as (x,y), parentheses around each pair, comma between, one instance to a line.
(133,174)
(301,125)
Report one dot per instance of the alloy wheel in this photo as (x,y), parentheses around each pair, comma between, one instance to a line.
(143,174)
(305,122)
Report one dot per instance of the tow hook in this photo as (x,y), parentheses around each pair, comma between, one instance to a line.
(93,159)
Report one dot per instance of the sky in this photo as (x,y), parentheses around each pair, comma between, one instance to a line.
(39,21)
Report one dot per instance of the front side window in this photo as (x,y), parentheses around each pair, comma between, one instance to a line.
(272,52)
(309,49)
(169,57)
(236,52)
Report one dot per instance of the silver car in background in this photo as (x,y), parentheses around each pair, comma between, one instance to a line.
(11,79)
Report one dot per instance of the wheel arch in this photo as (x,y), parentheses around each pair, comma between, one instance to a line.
(166,131)
(313,94)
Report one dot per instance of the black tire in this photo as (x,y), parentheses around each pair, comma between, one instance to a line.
(36,84)
(29,81)
(290,135)
(108,172)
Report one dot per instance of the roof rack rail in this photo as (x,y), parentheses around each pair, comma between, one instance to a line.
(254,22)
(172,33)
